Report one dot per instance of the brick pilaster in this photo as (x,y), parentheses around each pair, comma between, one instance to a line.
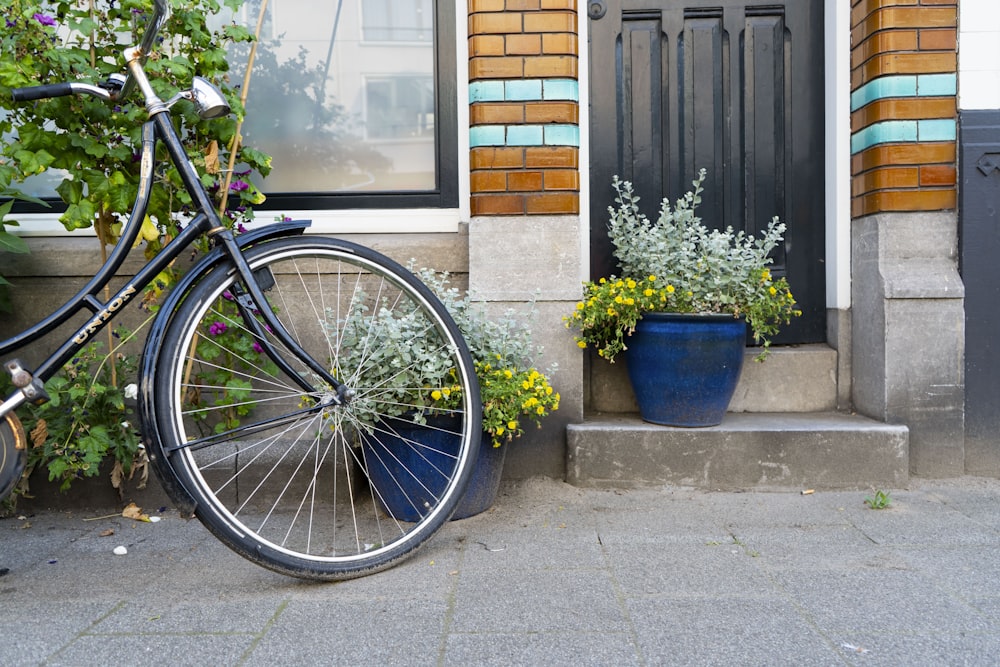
(524,113)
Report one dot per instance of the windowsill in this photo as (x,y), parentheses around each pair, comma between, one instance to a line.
(355,221)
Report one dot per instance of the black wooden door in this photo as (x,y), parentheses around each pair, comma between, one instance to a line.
(731,86)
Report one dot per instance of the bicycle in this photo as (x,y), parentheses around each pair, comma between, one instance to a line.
(278,458)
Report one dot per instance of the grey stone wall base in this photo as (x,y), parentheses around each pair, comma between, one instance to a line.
(780,451)
(515,261)
(908,333)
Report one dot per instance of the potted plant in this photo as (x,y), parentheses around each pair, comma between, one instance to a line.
(686,294)
(514,391)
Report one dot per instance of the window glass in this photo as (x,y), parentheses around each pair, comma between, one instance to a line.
(342,95)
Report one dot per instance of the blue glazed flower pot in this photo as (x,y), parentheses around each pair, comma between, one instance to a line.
(684,368)
(395,465)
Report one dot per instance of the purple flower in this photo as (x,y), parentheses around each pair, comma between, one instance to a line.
(44,19)
(239,186)
(240,228)
(217,328)
(257,348)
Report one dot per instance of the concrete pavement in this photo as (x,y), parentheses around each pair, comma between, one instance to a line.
(552,575)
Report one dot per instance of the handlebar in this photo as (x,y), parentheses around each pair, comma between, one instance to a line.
(118,87)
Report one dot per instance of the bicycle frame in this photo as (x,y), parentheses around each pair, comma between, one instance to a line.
(205,222)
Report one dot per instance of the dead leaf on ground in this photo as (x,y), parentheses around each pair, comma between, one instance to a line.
(107,533)
(134,512)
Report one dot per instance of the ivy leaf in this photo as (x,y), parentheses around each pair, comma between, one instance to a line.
(11,243)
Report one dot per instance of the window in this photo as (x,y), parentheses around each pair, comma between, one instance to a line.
(397,20)
(355,102)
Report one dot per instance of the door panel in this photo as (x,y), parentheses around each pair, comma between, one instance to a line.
(728,86)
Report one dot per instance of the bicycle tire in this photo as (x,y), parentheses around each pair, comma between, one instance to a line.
(283,482)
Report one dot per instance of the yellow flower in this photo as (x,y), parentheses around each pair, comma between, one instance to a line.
(436,395)
(652,279)
(580,306)
(630,284)
(540,410)
(499,430)
(619,299)
(507,374)
(611,312)
(765,275)
(648,292)
(582,344)
(630,301)
(772,290)
(670,289)
(512,425)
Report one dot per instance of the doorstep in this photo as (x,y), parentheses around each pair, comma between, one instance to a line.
(763,450)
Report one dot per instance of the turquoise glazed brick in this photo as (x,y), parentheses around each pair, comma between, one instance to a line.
(486,135)
(562,135)
(886,132)
(936,85)
(527,90)
(561,89)
(936,130)
(887,86)
(486,91)
(524,135)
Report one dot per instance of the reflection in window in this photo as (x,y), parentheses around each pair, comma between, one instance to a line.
(397,21)
(343,97)
(399,107)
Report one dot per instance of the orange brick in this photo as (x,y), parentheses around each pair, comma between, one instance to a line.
(497,158)
(498,23)
(907,200)
(938,40)
(562,179)
(550,66)
(552,112)
(559,4)
(560,43)
(937,175)
(552,203)
(496,68)
(884,42)
(861,10)
(903,109)
(931,62)
(524,181)
(476,6)
(525,45)
(550,22)
(488,181)
(486,45)
(909,153)
(552,156)
(910,17)
(886,178)
(497,204)
(496,114)
(522,5)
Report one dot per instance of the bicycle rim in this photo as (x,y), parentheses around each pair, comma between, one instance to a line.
(286,477)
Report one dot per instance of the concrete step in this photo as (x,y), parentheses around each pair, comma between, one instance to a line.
(819,450)
(792,379)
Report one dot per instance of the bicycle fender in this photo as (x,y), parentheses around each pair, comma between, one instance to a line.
(149,426)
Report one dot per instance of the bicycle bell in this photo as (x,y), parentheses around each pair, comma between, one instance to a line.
(208,99)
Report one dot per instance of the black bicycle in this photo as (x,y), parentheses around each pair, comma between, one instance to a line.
(268,407)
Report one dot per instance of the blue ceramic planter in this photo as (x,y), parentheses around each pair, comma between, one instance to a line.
(684,368)
(394,477)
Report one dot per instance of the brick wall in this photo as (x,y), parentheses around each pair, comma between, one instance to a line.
(903,105)
(524,113)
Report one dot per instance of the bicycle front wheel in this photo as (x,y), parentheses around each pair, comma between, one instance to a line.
(323,482)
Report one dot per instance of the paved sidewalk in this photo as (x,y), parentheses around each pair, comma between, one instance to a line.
(553,575)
